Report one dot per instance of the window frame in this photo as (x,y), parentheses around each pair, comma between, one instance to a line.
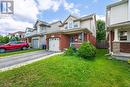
(123,37)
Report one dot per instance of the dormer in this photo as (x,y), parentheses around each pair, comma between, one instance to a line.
(41,26)
(70,23)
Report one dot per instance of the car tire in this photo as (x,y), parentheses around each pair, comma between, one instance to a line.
(24,48)
(2,50)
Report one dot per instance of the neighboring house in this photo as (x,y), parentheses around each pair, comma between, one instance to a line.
(18,34)
(36,35)
(73,31)
(118,27)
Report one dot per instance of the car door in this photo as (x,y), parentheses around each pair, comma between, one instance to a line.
(17,45)
(10,46)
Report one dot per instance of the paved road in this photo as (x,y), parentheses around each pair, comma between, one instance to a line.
(21,58)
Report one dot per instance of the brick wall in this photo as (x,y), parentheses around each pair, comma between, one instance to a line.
(64,40)
(91,38)
(125,47)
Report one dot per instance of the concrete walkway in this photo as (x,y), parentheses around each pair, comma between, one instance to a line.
(22,58)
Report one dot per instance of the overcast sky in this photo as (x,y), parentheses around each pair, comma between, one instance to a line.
(26,12)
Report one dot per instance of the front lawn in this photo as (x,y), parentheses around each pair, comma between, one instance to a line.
(63,71)
(17,52)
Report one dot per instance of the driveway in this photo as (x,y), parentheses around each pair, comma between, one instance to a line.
(21,58)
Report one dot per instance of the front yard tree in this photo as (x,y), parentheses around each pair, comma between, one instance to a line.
(4,39)
(13,38)
(101,33)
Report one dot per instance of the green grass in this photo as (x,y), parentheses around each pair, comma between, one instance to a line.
(69,71)
(17,52)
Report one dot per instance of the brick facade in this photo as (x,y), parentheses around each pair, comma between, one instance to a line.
(125,47)
(91,38)
(65,40)
(122,46)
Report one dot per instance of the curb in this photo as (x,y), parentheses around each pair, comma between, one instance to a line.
(28,62)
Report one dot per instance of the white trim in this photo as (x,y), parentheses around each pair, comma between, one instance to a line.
(75,43)
(110,47)
(122,41)
(129,10)
(116,38)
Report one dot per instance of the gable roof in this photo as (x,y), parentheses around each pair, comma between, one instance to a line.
(69,17)
(81,18)
(42,22)
(117,3)
(55,22)
(86,17)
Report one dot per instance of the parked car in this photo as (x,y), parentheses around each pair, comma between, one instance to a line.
(13,46)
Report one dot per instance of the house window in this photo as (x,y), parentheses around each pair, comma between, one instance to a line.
(66,27)
(72,39)
(75,25)
(80,37)
(123,35)
(70,24)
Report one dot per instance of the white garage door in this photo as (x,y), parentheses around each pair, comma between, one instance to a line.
(54,44)
(35,43)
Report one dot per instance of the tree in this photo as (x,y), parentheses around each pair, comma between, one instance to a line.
(4,39)
(13,38)
(101,32)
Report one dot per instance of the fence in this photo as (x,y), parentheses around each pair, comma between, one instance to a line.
(102,44)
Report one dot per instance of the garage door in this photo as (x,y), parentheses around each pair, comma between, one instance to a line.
(35,43)
(54,44)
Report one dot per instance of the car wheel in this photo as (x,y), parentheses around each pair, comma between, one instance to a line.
(24,48)
(2,50)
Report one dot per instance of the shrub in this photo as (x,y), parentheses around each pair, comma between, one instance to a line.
(70,51)
(86,50)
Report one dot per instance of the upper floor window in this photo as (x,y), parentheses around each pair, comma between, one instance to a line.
(76,25)
(70,24)
(66,27)
(123,35)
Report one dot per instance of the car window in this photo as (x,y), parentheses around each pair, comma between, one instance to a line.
(12,42)
(19,42)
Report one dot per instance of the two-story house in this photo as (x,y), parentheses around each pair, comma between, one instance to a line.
(73,31)
(36,35)
(118,26)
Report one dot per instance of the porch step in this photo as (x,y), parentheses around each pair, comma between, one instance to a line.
(123,56)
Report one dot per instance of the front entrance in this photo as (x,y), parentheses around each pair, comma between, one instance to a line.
(54,44)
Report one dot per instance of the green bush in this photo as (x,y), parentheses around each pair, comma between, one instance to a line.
(70,51)
(86,50)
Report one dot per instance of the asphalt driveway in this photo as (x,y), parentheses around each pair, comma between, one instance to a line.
(21,58)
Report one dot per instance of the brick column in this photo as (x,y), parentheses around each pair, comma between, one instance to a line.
(116,47)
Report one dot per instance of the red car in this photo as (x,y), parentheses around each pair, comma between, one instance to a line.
(13,46)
